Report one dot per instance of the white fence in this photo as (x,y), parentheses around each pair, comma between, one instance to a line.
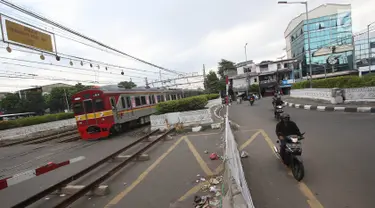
(235,171)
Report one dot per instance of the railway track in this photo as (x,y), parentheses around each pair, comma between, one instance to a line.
(138,144)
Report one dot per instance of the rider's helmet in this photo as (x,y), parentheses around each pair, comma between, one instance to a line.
(285,117)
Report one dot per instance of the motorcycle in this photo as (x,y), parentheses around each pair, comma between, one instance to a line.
(279,110)
(251,101)
(292,158)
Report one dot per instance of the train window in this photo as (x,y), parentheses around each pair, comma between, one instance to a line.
(99,105)
(128,102)
(88,106)
(123,102)
(143,100)
(137,101)
(77,108)
(113,103)
(152,99)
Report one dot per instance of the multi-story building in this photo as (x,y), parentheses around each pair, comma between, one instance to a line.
(362,49)
(329,25)
(267,74)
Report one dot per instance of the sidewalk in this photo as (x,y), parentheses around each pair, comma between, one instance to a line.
(320,105)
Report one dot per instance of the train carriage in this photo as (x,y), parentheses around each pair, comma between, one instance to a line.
(103,111)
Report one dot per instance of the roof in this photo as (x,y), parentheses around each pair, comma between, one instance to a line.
(322,10)
(244,63)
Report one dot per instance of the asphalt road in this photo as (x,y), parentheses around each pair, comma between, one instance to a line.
(337,153)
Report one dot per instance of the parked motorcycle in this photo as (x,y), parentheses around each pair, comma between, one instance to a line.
(279,110)
(293,152)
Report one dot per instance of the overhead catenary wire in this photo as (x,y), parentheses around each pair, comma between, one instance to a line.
(37,16)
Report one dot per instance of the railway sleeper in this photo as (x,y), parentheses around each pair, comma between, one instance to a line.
(101,190)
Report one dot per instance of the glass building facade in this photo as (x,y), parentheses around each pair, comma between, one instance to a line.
(325,31)
(362,51)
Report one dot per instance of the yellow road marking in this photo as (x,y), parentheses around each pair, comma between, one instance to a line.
(141,177)
(247,130)
(247,143)
(311,199)
(197,156)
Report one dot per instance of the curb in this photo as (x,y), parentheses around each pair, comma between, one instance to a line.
(331,108)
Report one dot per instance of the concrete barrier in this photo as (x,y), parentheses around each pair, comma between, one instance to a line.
(39,130)
(313,93)
(363,94)
(187,118)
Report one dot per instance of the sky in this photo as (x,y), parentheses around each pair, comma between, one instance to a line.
(178,35)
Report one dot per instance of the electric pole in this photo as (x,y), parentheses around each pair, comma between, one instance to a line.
(160,78)
(204,77)
(146,83)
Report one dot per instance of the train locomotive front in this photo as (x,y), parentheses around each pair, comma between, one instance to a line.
(93,114)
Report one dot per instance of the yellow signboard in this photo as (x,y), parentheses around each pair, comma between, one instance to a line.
(28,36)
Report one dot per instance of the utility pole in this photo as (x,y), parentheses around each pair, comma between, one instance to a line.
(204,77)
(146,81)
(160,78)
(66,100)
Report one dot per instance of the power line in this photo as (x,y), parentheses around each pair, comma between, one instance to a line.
(37,16)
(57,65)
(56,70)
(76,58)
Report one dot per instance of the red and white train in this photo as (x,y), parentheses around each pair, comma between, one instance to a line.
(102,111)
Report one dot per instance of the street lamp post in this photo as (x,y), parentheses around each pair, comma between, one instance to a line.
(247,73)
(307,28)
(246,52)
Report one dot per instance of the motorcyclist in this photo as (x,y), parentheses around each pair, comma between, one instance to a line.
(277,102)
(284,128)
(251,96)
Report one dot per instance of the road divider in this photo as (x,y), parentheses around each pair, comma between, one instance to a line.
(237,192)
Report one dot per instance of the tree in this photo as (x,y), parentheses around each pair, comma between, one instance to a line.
(213,84)
(10,103)
(225,65)
(127,85)
(32,102)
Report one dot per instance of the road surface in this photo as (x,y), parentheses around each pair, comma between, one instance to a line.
(337,153)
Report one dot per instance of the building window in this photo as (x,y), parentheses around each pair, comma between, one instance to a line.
(255,80)
(278,66)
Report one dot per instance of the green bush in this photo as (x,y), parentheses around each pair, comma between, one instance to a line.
(339,82)
(212,96)
(28,121)
(185,104)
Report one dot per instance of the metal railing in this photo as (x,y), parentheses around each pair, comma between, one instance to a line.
(234,165)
